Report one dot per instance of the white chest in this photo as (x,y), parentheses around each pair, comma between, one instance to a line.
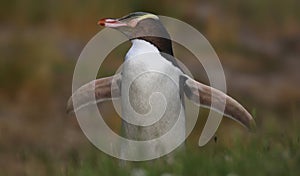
(150,91)
(144,57)
(140,47)
(150,97)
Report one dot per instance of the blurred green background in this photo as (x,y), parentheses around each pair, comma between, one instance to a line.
(257,41)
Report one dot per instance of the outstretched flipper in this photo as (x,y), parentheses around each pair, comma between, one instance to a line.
(214,99)
(95,92)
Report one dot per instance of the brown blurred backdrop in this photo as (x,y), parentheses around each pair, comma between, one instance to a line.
(257,41)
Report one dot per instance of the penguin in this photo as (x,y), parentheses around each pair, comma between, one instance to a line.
(151,79)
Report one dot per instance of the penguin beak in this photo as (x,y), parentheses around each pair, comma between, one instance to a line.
(112,23)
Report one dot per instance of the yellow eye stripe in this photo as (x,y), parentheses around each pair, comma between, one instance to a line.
(148,16)
(135,21)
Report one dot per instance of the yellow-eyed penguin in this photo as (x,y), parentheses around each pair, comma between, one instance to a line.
(150,68)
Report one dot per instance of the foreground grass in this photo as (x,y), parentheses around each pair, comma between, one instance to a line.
(272,150)
(256,160)
(259,154)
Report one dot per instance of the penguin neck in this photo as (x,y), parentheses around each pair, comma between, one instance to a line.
(158,45)
(164,45)
(140,47)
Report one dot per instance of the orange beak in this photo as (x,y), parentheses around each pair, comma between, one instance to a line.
(102,22)
(109,22)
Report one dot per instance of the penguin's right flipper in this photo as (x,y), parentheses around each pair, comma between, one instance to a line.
(94,92)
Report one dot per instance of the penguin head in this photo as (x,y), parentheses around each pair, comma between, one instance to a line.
(137,25)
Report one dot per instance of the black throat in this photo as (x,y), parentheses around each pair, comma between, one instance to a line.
(163,45)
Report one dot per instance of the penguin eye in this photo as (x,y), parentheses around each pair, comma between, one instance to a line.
(133,22)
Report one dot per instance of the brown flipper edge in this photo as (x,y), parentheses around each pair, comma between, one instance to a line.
(206,96)
(94,92)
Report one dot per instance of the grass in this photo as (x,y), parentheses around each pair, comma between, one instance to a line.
(271,150)
(259,155)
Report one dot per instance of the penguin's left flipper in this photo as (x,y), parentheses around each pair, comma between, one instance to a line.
(94,92)
(209,97)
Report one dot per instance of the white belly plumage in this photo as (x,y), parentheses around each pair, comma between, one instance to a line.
(150,95)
